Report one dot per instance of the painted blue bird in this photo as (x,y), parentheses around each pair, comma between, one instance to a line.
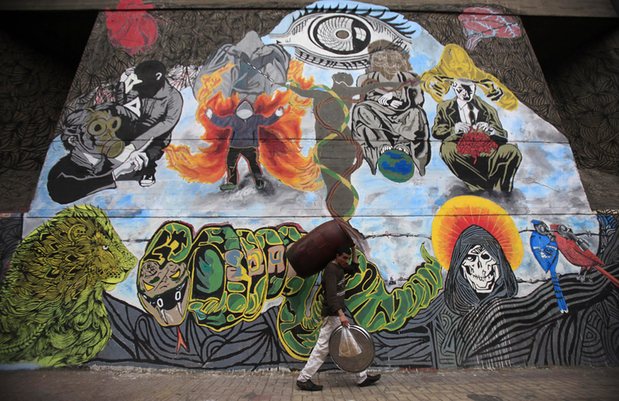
(546,252)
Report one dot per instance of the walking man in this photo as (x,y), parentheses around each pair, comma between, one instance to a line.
(334,281)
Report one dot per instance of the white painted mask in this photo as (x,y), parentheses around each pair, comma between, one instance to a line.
(464,90)
(480,269)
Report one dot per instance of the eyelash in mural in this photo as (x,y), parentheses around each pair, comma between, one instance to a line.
(338,37)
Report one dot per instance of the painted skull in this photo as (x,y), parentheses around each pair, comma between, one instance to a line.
(480,269)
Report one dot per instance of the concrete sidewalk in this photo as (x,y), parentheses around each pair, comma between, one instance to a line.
(135,384)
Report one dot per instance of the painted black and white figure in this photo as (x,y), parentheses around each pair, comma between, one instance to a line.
(120,139)
(150,109)
(478,272)
(389,119)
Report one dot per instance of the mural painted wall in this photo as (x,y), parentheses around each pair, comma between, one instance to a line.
(198,146)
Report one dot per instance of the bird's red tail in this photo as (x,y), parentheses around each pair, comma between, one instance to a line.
(612,278)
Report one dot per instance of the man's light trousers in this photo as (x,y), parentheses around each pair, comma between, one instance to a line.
(321,350)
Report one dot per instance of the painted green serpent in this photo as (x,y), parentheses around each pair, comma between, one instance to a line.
(236,274)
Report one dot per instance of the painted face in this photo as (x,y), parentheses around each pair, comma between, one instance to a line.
(387,62)
(164,291)
(244,111)
(465,90)
(480,269)
(96,136)
(343,79)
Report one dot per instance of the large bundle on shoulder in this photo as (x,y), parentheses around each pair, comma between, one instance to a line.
(310,254)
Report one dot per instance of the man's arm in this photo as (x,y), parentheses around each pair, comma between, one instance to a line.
(444,128)
(172,115)
(266,121)
(67,186)
(493,126)
(303,92)
(333,304)
(219,121)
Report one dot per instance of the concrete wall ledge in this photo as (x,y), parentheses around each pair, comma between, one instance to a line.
(572,8)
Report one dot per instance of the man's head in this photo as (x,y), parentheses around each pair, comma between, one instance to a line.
(244,110)
(92,133)
(464,89)
(343,255)
(387,58)
(151,73)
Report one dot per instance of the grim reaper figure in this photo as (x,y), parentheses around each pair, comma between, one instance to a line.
(478,272)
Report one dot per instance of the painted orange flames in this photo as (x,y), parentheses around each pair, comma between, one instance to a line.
(279,144)
(461,212)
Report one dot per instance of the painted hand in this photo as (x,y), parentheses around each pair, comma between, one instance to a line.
(461,128)
(135,162)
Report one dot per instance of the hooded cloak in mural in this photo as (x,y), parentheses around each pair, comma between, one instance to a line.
(460,294)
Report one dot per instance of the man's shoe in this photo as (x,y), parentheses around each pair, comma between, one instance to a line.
(308,386)
(228,186)
(371,379)
(147,180)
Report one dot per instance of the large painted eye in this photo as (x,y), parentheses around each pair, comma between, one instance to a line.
(105,247)
(339,38)
(341,34)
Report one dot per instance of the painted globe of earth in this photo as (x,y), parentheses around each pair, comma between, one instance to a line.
(396,165)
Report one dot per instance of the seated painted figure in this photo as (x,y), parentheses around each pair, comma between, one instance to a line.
(475,144)
(119,140)
(391,118)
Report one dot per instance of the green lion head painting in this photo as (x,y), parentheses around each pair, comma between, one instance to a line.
(51,301)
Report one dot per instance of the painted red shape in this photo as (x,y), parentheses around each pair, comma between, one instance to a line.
(579,256)
(475,144)
(486,22)
(134,30)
